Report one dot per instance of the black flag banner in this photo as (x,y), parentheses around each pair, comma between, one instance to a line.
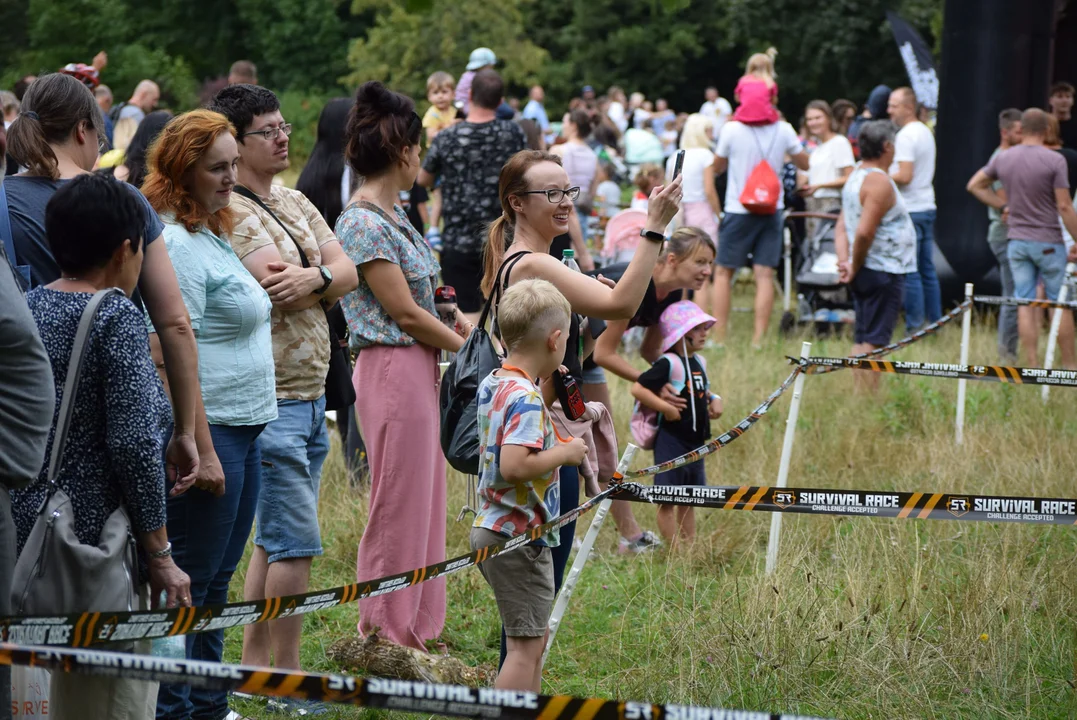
(918,61)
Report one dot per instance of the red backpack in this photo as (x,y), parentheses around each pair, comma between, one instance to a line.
(762,188)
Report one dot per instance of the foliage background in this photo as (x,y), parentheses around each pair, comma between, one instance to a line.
(310,50)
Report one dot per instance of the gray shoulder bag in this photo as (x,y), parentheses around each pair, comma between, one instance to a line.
(56,574)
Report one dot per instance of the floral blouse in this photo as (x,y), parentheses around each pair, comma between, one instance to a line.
(113,454)
(369,234)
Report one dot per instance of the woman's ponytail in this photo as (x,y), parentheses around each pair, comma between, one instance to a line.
(26,142)
(494,252)
(52,109)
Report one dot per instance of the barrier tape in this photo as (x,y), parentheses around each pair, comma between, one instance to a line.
(906,341)
(871,503)
(376,693)
(988,373)
(95,628)
(721,441)
(996,300)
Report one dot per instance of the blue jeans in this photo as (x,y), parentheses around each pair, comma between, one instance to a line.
(570,500)
(1007,314)
(922,293)
(208,536)
(294,446)
(1030,261)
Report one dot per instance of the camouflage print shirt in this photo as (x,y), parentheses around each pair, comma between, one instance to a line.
(300,338)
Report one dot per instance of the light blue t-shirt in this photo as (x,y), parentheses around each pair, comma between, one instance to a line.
(535,111)
(230,315)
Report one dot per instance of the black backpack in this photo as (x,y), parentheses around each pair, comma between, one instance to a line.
(114,112)
(460,386)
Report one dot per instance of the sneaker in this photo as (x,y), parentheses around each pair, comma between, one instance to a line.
(644,543)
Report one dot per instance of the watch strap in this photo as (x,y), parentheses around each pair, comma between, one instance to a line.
(652,235)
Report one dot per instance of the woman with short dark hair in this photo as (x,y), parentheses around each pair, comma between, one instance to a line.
(875,241)
(392,321)
(112,455)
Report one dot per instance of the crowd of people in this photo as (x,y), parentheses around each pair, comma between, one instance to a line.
(202,398)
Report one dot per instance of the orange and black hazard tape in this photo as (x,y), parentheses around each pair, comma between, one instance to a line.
(989,373)
(722,440)
(96,628)
(861,503)
(906,341)
(376,693)
(996,300)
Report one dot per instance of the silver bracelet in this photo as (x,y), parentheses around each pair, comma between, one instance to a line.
(164,552)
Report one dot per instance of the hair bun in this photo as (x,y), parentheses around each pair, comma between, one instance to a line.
(379,99)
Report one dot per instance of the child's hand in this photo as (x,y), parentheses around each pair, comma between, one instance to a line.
(672,414)
(716,407)
(670,395)
(575,451)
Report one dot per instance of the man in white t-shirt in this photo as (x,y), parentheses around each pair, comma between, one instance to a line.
(616,111)
(740,148)
(914,172)
(717,108)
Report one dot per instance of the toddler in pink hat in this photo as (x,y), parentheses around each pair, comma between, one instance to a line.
(684,327)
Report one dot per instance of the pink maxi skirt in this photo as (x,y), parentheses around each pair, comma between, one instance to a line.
(397,391)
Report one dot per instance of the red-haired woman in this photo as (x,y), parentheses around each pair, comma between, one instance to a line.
(192,170)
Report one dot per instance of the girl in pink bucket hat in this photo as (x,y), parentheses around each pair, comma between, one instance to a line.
(684,329)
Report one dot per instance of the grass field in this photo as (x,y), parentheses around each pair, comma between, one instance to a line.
(865,618)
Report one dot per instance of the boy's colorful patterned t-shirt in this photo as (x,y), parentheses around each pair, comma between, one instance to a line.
(511,412)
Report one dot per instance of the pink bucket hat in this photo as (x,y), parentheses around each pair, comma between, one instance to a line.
(678,319)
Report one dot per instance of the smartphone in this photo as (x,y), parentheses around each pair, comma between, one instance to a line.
(680,163)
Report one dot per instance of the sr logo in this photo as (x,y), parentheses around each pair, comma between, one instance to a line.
(958,506)
(784,498)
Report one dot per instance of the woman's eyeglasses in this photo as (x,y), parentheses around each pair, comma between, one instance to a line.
(555,196)
(272,133)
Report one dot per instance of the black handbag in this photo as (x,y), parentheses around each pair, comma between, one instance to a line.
(459,402)
(339,390)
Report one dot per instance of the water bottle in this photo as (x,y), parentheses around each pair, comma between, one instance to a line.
(174,647)
(568,259)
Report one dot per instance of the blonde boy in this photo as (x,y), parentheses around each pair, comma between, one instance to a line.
(518,459)
(439,91)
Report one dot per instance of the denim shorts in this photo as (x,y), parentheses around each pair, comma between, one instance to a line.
(1031,260)
(742,234)
(294,446)
(593,374)
(877,298)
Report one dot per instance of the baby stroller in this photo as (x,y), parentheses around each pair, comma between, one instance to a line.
(822,301)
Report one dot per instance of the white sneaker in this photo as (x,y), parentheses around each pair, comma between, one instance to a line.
(644,543)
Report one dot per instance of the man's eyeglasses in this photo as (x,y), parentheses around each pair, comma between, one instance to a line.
(272,133)
(555,196)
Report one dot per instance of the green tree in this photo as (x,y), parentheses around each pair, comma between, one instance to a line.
(402,48)
(299,44)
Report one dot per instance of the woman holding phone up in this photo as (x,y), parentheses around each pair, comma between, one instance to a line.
(536,202)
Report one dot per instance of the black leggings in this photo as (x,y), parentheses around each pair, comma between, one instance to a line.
(570,500)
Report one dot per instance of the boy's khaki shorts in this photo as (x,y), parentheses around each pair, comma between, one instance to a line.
(523,584)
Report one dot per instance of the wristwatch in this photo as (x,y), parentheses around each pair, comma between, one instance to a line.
(327,279)
(164,552)
(652,235)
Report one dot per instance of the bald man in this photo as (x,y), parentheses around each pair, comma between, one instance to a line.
(143,100)
(913,170)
